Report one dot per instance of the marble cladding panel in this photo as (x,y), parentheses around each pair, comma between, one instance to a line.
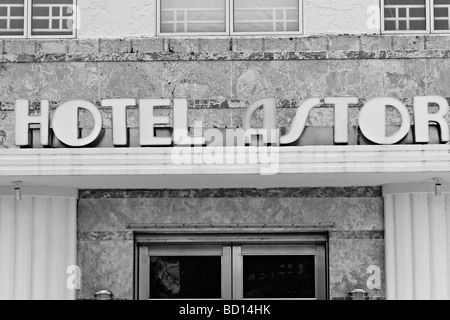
(201,80)
(438,77)
(66,81)
(256,80)
(105,249)
(7,133)
(54,81)
(322,192)
(18,81)
(106,264)
(357,264)
(401,79)
(131,80)
(224,80)
(349,214)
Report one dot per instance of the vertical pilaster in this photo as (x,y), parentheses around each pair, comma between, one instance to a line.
(417,242)
(37,243)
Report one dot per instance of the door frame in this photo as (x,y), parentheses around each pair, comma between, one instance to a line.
(228,237)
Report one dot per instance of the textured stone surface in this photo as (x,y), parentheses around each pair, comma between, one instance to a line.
(393,78)
(349,43)
(343,78)
(131,80)
(147,45)
(256,80)
(115,45)
(106,265)
(183,45)
(279,44)
(19,47)
(349,263)
(215,45)
(438,77)
(84,46)
(409,43)
(437,42)
(105,245)
(203,80)
(356,192)
(66,81)
(115,214)
(248,44)
(7,134)
(312,44)
(17,82)
(51,47)
(376,43)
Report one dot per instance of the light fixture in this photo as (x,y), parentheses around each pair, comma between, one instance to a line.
(17,191)
(358,294)
(104,295)
(438,187)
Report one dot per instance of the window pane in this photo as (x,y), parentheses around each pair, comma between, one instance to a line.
(266,16)
(441,15)
(404,15)
(279,277)
(12,17)
(203,16)
(185,277)
(52,18)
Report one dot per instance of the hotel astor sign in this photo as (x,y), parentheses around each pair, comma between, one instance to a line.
(372,122)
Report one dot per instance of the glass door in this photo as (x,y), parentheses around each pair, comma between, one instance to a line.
(285,272)
(232,271)
(185,272)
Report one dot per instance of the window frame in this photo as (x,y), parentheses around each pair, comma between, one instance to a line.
(229,25)
(28,19)
(236,242)
(25,24)
(433,31)
(184,34)
(299,32)
(427,21)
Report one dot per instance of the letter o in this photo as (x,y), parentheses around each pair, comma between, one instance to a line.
(65,123)
(372,121)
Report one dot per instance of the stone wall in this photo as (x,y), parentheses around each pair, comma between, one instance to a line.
(220,77)
(105,246)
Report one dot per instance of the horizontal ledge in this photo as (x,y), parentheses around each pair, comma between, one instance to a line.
(285,160)
(39,191)
(224,227)
(227,56)
(412,188)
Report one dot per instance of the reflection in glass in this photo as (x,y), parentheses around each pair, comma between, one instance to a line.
(279,277)
(185,277)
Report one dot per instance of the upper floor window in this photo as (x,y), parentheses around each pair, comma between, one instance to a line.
(37,18)
(229,17)
(416,16)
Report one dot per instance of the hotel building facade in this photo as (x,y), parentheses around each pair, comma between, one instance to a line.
(126,163)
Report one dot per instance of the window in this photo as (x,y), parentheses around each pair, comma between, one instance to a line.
(441,16)
(230,268)
(38,18)
(416,16)
(229,17)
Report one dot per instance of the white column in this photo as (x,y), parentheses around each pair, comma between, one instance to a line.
(37,243)
(417,242)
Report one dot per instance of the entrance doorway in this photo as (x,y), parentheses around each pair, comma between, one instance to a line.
(231,268)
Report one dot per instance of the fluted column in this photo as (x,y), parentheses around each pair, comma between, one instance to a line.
(37,243)
(417,225)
